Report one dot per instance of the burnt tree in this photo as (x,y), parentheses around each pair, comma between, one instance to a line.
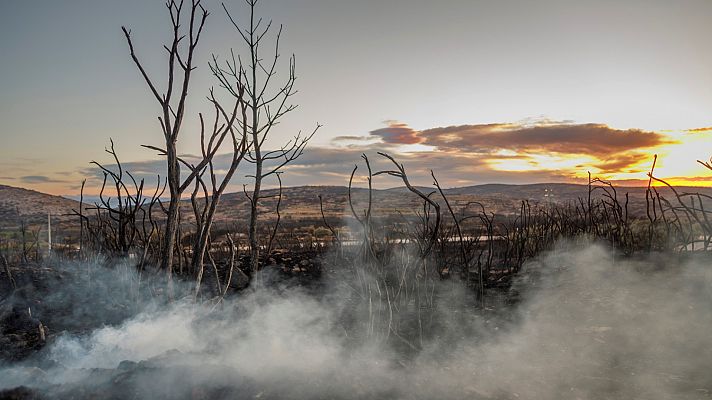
(181,52)
(267,103)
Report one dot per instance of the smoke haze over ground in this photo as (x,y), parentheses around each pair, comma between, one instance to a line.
(587,325)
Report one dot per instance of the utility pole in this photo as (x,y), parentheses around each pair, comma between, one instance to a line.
(49,234)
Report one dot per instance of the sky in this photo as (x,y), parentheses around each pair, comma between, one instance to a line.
(478,91)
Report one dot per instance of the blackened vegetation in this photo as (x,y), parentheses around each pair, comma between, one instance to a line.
(395,273)
(62,296)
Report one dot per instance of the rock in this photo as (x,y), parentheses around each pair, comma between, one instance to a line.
(20,393)
(127,365)
(239,279)
(21,333)
(24,377)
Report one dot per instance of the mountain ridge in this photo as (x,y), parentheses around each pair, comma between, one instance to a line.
(301,203)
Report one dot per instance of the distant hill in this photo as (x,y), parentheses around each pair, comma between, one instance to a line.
(562,192)
(32,207)
(300,205)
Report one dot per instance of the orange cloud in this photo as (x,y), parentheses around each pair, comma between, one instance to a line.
(470,154)
(699,130)
(597,140)
(397,133)
(622,162)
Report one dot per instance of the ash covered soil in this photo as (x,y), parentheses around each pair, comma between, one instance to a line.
(42,304)
(579,323)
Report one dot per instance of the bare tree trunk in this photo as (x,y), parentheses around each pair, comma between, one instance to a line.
(254,240)
(257,147)
(170,238)
(7,271)
(202,245)
(174,111)
(205,218)
(173,208)
(81,220)
(268,103)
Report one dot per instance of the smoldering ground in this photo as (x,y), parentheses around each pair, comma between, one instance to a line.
(589,325)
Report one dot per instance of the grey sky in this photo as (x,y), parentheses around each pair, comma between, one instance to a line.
(67,84)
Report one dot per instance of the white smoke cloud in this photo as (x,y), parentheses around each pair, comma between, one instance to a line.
(589,325)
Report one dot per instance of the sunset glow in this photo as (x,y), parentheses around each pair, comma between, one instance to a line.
(540,101)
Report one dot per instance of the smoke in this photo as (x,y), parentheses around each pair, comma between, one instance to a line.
(594,327)
(587,325)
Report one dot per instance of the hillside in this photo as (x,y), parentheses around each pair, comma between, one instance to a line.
(32,207)
(300,205)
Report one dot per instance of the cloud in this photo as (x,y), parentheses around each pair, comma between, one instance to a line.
(597,140)
(699,130)
(688,180)
(146,169)
(623,162)
(351,138)
(32,179)
(397,133)
(333,166)
(523,152)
